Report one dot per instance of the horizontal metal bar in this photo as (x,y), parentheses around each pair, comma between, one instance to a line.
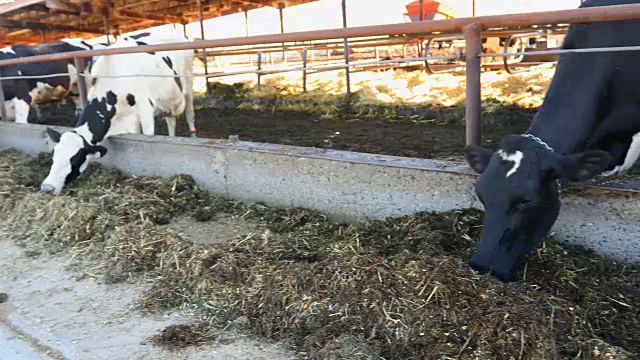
(564,51)
(580,15)
(264,71)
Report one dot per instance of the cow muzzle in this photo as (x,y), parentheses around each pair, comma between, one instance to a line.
(481,264)
(47,189)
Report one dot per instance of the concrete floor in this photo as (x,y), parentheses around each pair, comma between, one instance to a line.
(52,315)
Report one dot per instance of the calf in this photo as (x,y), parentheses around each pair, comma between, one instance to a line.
(124,105)
(26,93)
(588,124)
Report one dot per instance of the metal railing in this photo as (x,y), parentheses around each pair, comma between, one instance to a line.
(472,28)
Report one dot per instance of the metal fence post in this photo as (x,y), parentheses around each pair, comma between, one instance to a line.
(304,71)
(473,47)
(346,50)
(82,84)
(259,67)
(3,109)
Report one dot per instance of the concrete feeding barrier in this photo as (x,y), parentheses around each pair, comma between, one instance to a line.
(344,185)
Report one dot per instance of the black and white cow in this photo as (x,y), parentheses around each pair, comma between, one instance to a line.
(22,94)
(121,105)
(588,125)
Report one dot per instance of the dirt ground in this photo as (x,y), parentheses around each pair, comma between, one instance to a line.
(50,313)
(433,133)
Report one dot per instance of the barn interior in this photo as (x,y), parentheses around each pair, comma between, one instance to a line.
(36,21)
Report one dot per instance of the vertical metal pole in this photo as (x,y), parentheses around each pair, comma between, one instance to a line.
(304,71)
(82,84)
(246,31)
(473,7)
(105,20)
(259,67)
(472,34)
(42,34)
(346,49)
(3,109)
(184,30)
(420,45)
(280,9)
(204,51)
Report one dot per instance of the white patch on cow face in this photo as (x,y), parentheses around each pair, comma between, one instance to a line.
(516,158)
(21,109)
(77,42)
(630,159)
(70,144)
(8,50)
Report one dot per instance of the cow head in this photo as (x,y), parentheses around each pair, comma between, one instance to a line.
(71,156)
(519,188)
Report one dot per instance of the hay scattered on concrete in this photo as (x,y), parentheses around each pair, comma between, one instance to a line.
(177,336)
(394,288)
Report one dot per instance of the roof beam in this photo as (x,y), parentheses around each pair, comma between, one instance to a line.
(62,6)
(17,5)
(32,25)
(167,19)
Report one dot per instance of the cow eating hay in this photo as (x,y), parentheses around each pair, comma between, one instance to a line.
(121,105)
(396,288)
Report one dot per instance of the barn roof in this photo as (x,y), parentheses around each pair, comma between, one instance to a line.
(24,21)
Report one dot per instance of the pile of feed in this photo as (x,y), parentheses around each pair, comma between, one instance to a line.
(525,89)
(396,288)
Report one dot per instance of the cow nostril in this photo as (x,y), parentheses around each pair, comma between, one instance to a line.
(481,269)
(46,188)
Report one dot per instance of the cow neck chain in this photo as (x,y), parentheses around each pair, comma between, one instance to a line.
(539,141)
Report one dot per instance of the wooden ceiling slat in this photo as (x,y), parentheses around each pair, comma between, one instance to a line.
(65,18)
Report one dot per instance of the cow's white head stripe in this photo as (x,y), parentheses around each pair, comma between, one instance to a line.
(516,158)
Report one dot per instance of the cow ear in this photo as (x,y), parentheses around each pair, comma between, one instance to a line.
(478,157)
(54,135)
(582,166)
(98,151)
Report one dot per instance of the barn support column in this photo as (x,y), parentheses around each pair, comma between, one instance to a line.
(473,47)
(346,50)
(82,83)
(246,31)
(105,20)
(3,109)
(281,11)
(420,44)
(204,51)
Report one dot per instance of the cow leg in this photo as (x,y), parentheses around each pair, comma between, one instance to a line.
(21,110)
(619,134)
(189,112)
(171,125)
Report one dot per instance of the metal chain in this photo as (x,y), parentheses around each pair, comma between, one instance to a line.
(539,141)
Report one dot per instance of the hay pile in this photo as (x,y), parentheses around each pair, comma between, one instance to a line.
(396,288)
(525,89)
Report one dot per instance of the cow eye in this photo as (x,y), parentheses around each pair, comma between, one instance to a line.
(525,204)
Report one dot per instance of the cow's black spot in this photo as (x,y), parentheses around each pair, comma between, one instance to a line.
(131,100)
(167,60)
(98,117)
(138,36)
(112,99)
(151,102)
(94,81)
(144,43)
